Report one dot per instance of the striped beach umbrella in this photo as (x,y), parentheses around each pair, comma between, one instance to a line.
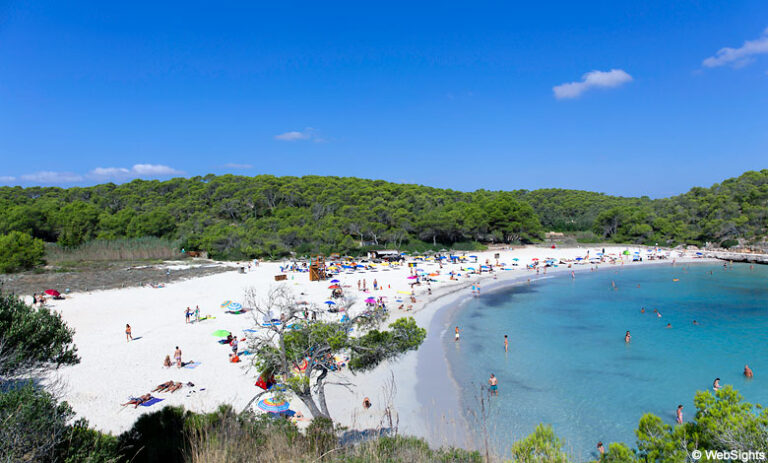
(234,307)
(274,405)
(225,304)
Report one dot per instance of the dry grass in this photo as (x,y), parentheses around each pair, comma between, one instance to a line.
(113,250)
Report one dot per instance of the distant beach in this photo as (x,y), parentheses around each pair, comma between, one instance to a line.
(112,369)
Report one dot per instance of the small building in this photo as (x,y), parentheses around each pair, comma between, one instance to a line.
(385,254)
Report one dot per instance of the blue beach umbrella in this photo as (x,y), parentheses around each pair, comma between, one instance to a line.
(234,307)
(330,302)
(335,281)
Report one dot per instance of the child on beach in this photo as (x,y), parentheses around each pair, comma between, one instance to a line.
(128,336)
(197,313)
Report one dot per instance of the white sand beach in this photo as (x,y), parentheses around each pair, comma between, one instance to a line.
(112,370)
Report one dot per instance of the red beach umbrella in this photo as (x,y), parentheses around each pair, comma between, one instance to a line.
(52,292)
(334,287)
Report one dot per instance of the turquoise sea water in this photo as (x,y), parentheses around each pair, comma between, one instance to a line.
(568,364)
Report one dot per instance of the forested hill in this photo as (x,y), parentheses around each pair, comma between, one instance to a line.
(235,216)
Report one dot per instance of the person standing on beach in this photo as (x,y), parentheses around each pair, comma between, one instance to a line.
(506,343)
(177,356)
(197,313)
(456,337)
(187,314)
(679,414)
(494,385)
(128,336)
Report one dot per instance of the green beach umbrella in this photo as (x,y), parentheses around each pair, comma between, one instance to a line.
(626,253)
(220,333)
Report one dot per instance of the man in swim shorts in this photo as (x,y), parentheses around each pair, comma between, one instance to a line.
(494,385)
(748,372)
(679,414)
(177,356)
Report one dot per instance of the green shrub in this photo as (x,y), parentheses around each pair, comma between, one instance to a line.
(729,243)
(19,251)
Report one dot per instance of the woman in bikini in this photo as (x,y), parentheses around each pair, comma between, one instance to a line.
(128,336)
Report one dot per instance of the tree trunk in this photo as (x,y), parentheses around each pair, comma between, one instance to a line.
(321,393)
(309,401)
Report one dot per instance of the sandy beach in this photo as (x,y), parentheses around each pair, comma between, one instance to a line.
(112,370)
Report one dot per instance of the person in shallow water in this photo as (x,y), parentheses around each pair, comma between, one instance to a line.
(627,337)
(506,343)
(456,338)
(748,372)
(716,385)
(679,414)
(494,385)
(600,449)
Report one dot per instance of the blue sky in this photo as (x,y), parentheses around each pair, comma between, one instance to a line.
(626,98)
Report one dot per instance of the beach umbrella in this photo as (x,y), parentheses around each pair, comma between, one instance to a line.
(234,307)
(535,258)
(370,299)
(412,277)
(698,254)
(515,259)
(330,302)
(579,258)
(52,292)
(335,281)
(626,253)
(225,304)
(274,405)
(334,287)
(220,333)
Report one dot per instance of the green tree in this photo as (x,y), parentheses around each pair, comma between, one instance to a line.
(19,251)
(541,446)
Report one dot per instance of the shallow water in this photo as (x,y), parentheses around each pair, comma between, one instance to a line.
(568,364)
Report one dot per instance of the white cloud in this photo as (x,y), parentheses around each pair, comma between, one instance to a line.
(138,170)
(234,165)
(7,178)
(47,176)
(110,172)
(154,169)
(307,134)
(593,79)
(738,57)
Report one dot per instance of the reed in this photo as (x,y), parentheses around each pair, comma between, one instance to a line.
(115,250)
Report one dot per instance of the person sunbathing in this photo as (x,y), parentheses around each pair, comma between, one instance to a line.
(163,387)
(174,387)
(167,361)
(136,401)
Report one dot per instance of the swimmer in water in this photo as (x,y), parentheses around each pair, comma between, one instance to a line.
(716,385)
(642,310)
(748,372)
(600,449)
(695,322)
(679,414)
(669,325)
(627,337)
(506,343)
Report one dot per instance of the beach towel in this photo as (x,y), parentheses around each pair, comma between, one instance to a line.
(245,352)
(151,402)
(250,330)
(192,365)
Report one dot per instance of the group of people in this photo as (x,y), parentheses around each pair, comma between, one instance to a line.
(177,359)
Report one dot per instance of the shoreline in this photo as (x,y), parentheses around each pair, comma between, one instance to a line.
(454,428)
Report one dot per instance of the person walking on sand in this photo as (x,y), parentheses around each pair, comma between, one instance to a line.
(197,313)
(177,356)
(128,336)
(187,314)
(627,337)
(506,343)
(456,337)
(493,385)
(679,414)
